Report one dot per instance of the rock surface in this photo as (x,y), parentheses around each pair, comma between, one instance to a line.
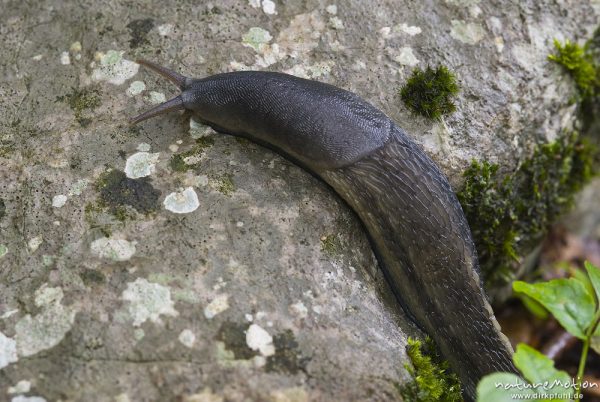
(154,263)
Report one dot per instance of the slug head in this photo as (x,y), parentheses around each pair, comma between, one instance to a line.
(172,104)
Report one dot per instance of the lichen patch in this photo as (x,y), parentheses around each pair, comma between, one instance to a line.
(141,164)
(410,30)
(199,130)
(8,351)
(58,201)
(136,88)
(148,301)
(187,338)
(182,202)
(46,329)
(217,306)
(113,249)
(469,33)
(3,250)
(113,68)
(78,187)
(21,387)
(35,243)
(156,98)
(406,57)
(260,340)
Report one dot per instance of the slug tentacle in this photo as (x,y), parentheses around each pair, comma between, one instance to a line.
(169,106)
(180,80)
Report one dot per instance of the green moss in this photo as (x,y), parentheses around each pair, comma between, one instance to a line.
(432,380)
(224,184)
(139,29)
(233,335)
(330,244)
(91,277)
(508,215)
(7,147)
(117,191)
(578,61)
(80,100)
(287,357)
(178,163)
(429,92)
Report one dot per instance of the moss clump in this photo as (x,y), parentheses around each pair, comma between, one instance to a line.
(178,161)
(429,92)
(233,335)
(578,61)
(507,215)
(330,244)
(287,357)
(224,184)
(432,379)
(80,100)
(117,191)
(6,148)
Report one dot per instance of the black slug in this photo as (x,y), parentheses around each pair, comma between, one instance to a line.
(414,220)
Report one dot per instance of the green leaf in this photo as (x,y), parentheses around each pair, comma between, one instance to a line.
(540,372)
(502,387)
(534,307)
(567,299)
(594,274)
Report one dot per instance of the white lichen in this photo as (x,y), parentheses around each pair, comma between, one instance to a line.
(182,202)
(141,164)
(156,97)
(46,296)
(35,243)
(199,130)
(406,57)
(113,68)
(187,338)
(65,58)
(78,187)
(23,398)
(470,33)
(217,306)
(260,340)
(3,250)
(256,38)
(143,147)
(299,309)
(113,249)
(8,351)
(410,30)
(268,7)
(331,9)
(135,88)
(21,387)
(58,201)
(148,301)
(336,23)
(165,29)
(44,330)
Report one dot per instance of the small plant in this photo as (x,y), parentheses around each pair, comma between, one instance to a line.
(575,303)
(507,214)
(432,379)
(578,61)
(429,92)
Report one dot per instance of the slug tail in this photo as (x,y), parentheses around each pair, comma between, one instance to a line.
(176,78)
(169,106)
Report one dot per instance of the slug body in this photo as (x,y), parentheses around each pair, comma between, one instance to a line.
(415,222)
